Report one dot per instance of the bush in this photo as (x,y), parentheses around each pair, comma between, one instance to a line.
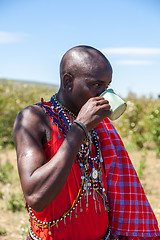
(154,123)
(5,172)
(15,96)
(140,124)
(3,231)
(16,203)
(142,166)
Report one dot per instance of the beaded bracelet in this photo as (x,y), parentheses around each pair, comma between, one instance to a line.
(82,126)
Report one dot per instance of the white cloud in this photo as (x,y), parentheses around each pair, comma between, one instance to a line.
(134,62)
(7,37)
(132,51)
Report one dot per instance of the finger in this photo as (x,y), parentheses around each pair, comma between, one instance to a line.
(98,98)
(102,102)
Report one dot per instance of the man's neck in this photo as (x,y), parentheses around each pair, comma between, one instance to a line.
(65,101)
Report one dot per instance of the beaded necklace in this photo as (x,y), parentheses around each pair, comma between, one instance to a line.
(91,178)
(84,159)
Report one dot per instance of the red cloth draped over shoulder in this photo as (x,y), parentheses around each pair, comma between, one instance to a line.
(131,213)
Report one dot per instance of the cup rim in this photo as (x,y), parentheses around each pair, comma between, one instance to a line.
(108,90)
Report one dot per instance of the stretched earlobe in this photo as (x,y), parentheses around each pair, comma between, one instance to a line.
(67,82)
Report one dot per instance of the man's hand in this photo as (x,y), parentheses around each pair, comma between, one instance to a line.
(93,112)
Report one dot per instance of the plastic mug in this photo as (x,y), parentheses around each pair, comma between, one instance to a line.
(118,105)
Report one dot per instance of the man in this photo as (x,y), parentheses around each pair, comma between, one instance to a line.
(76,176)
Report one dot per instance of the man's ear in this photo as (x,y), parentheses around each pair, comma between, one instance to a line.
(67,82)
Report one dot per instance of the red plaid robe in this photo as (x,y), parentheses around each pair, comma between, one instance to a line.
(131,214)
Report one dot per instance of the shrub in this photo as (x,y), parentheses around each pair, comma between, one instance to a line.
(140,124)
(1,195)
(5,172)
(2,231)
(142,166)
(15,96)
(136,124)
(154,123)
(16,203)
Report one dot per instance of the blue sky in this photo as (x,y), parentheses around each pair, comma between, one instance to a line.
(34,35)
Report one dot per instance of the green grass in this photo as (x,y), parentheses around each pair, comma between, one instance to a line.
(6,172)
(3,231)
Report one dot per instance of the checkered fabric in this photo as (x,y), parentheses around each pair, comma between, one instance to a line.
(131,214)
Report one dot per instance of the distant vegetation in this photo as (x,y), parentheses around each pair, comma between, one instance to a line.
(14,96)
(139,128)
(140,124)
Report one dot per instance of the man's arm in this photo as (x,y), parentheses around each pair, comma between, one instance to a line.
(38,177)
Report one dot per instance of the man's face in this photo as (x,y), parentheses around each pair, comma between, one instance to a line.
(88,86)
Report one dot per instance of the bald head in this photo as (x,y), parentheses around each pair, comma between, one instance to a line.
(83,60)
(85,73)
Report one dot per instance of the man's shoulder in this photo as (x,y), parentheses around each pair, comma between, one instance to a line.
(31,110)
(31,115)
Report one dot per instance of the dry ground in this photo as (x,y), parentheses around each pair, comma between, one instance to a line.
(16,224)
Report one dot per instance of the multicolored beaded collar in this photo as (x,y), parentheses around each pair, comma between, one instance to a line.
(91,178)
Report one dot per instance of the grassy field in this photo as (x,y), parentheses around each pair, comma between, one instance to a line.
(14,218)
(139,128)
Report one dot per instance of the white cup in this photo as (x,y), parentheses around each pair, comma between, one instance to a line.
(118,105)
